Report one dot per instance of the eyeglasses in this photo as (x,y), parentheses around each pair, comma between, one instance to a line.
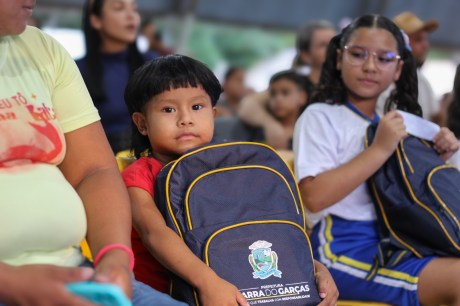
(384,60)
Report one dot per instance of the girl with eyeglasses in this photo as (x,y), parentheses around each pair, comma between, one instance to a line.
(332,165)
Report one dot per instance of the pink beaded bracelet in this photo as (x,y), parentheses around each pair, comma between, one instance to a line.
(115,246)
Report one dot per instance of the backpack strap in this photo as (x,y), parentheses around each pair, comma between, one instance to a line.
(387,256)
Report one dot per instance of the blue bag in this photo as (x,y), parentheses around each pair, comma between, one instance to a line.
(417,199)
(238,208)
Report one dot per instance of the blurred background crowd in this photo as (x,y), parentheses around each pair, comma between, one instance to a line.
(246,43)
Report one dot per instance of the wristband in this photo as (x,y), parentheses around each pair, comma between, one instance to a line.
(117,246)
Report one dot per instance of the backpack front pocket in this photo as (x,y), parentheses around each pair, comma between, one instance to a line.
(239,193)
(269,261)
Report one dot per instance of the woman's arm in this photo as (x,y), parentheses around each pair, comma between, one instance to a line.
(171,251)
(253,111)
(331,186)
(91,168)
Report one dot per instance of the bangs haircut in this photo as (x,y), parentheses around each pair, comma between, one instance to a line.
(164,74)
(167,73)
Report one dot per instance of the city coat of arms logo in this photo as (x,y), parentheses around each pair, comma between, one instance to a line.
(263,260)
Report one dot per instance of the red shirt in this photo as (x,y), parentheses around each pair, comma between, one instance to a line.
(142,174)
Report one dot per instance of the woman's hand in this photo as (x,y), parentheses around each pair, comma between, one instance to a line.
(445,143)
(36,285)
(326,286)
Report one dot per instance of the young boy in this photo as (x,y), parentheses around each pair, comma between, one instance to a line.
(172,103)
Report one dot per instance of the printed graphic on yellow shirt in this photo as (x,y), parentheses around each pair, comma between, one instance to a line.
(31,131)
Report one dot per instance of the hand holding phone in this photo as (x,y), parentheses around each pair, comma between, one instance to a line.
(100,293)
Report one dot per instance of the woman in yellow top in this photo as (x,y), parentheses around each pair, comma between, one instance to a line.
(59,179)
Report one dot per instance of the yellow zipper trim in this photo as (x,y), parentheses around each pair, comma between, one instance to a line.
(421,204)
(385,219)
(442,202)
(258,222)
(379,202)
(168,200)
(405,156)
(187,207)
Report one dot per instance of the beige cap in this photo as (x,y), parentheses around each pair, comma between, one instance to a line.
(410,23)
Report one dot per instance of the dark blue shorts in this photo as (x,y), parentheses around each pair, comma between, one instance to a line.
(348,249)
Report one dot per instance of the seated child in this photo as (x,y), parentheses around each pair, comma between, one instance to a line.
(172,103)
(277,114)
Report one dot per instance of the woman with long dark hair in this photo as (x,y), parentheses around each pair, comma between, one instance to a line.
(111,28)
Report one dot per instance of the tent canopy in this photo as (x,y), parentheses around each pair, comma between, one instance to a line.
(290,14)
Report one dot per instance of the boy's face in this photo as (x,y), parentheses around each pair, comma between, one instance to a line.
(176,121)
(285,98)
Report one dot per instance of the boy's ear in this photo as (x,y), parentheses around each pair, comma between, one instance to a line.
(339,60)
(139,121)
(214,111)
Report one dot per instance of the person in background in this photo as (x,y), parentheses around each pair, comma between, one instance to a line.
(234,90)
(332,165)
(110,28)
(418,32)
(311,44)
(156,46)
(60,181)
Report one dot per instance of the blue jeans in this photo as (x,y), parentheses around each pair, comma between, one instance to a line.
(146,295)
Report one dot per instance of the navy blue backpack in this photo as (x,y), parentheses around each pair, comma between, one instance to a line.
(238,208)
(417,199)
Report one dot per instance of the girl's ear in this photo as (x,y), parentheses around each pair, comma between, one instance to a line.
(95,22)
(339,60)
(398,70)
(139,120)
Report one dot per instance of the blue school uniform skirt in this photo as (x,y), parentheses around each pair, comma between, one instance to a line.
(348,249)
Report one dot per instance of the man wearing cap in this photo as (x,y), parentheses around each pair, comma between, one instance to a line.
(418,31)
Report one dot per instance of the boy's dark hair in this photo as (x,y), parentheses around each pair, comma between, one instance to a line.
(160,75)
(93,63)
(331,88)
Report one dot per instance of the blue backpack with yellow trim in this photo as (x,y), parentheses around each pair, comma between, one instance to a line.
(417,200)
(238,208)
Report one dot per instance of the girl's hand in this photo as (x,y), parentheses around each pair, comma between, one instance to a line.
(445,143)
(114,268)
(390,131)
(326,286)
(217,291)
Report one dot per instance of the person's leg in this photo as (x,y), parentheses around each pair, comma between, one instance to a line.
(144,295)
(348,249)
(439,282)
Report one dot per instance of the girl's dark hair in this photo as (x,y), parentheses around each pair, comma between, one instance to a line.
(453,111)
(302,81)
(331,88)
(160,75)
(93,64)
